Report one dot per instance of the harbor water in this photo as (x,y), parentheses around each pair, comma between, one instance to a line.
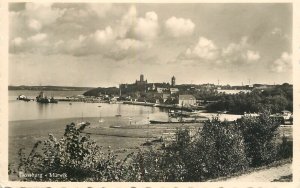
(21,110)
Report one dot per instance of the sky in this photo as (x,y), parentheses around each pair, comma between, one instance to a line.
(101,45)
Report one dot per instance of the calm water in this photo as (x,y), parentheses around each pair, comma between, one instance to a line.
(21,110)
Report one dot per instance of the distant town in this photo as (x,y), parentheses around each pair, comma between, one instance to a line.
(186,95)
(238,99)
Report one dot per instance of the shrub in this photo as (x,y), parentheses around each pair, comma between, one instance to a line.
(166,164)
(285,149)
(216,150)
(74,155)
(221,150)
(259,136)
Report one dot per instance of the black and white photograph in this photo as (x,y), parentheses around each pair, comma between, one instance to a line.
(150,92)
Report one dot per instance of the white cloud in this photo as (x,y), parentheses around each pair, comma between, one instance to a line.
(128,20)
(252,56)
(234,49)
(34,18)
(124,36)
(37,43)
(38,37)
(42,12)
(204,49)
(177,27)
(141,28)
(104,36)
(235,53)
(34,25)
(283,63)
(127,44)
(147,28)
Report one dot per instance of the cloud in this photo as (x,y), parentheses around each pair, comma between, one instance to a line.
(104,36)
(233,54)
(283,63)
(38,38)
(252,56)
(204,49)
(29,44)
(34,25)
(178,27)
(239,53)
(36,33)
(147,28)
(32,19)
(102,42)
(141,28)
(127,22)
(42,12)
(127,44)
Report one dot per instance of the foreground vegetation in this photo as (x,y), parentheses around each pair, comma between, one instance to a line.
(218,149)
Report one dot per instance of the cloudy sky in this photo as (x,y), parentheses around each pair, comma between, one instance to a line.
(108,44)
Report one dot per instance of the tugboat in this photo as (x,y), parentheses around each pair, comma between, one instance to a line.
(42,98)
(23,98)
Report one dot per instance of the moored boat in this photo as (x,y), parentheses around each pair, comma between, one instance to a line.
(42,98)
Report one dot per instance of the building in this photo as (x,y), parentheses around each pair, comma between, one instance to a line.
(141,81)
(233,91)
(173,83)
(165,96)
(174,90)
(186,100)
(161,89)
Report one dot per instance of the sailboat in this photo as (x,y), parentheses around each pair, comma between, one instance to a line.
(119,111)
(100,119)
(82,122)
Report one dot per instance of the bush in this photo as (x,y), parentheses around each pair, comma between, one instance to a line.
(259,136)
(218,149)
(285,149)
(221,150)
(76,156)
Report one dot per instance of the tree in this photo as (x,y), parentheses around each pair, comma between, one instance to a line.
(259,136)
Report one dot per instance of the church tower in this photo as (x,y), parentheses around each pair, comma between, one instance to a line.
(173,81)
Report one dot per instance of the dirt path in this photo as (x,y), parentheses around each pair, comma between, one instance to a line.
(266,175)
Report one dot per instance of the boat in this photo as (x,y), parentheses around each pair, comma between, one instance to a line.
(119,111)
(115,126)
(42,98)
(23,98)
(83,122)
(101,120)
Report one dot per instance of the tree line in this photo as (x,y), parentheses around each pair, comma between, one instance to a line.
(276,99)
